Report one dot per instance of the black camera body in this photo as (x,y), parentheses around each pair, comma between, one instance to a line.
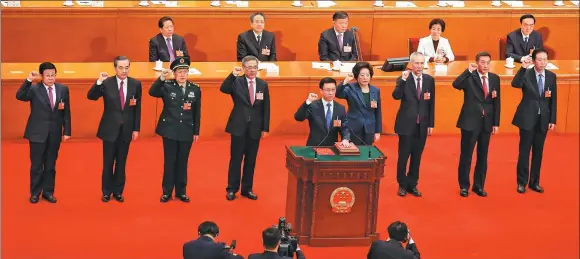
(230,248)
(288,243)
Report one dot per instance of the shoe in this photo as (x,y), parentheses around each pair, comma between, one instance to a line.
(415,192)
(480,192)
(165,198)
(521,188)
(105,198)
(250,195)
(183,198)
(230,196)
(537,188)
(463,193)
(402,192)
(33,199)
(119,197)
(49,198)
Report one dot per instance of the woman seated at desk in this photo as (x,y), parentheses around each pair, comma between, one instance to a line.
(435,47)
(364,105)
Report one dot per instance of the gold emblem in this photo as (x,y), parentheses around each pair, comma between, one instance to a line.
(341,200)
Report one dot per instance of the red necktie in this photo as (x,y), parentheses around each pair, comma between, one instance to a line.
(485,93)
(418,93)
(252,92)
(122,95)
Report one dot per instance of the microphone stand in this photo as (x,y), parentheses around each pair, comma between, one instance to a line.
(357,42)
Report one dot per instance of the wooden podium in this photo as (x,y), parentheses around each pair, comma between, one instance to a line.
(332,200)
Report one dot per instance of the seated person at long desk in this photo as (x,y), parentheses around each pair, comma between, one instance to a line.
(166,46)
(434,47)
(521,42)
(337,43)
(257,42)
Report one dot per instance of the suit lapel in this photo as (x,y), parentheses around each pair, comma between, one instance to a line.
(532,77)
(164,44)
(57,89)
(245,92)
(114,88)
(359,94)
(253,39)
(130,92)
(413,86)
(334,38)
(478,85)
(322,114)
(42,91)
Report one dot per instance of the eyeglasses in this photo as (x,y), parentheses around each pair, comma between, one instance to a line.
(252,68)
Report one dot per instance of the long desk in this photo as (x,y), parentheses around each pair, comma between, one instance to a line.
(288,89)
(45,30)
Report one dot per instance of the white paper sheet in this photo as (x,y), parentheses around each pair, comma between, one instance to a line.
(321,65)
(324,4)
(404,4)
(194,71)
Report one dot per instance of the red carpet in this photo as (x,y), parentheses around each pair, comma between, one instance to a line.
(444,225)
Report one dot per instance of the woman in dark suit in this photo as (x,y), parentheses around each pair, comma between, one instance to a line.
(364,105)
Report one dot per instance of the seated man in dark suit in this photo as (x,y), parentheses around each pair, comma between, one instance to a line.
(205,246)
(337,43)
(393,247)
(257,42)
(166,46)
(326,118)
(271,240)
(521,42)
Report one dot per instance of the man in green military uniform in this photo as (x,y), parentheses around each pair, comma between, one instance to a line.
(178,124)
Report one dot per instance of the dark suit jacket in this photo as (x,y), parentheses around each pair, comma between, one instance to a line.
(174,122)
(158,49)
(516,47)
(43,120)
(413,105)
(392,249)
(329,49)
(244,116)
(272,255)
(527,112)
(248,45)
(361,117)
(317,122)
(205,248)
(113,116)
(474,103)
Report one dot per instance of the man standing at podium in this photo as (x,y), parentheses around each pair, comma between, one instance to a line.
(535,115)
(337,43)
(257,42)
(48,121)
(167,46)
(415,120)
(248,122)
(479,118)
(120,124)
(326,118)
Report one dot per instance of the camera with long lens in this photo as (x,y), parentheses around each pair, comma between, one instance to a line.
(230,248)
(288,243)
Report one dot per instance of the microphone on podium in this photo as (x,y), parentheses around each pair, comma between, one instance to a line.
(354,30)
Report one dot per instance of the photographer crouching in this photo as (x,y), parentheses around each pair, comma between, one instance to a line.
(205,247)
(271,239)
(393,247)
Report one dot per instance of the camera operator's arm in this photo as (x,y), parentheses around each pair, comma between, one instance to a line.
(412,248)
(299,253)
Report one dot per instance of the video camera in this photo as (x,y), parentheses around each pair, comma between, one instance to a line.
(230,248)
(288,243)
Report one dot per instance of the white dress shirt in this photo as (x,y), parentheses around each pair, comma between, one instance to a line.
(256,36)
(415,78)
(124,87)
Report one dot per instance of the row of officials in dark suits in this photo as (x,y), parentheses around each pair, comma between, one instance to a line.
(179,121)
(399,245)
(337,43)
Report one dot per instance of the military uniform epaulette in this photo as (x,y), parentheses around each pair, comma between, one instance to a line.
(170,81)
(192,84)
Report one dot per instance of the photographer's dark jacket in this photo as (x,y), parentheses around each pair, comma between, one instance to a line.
(272,255)
(392,249)
(205,247)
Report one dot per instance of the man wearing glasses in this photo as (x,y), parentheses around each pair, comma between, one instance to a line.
(249,121)
(49,121)
(325,117)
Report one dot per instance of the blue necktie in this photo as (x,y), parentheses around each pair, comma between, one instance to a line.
(328,116)
(540,84)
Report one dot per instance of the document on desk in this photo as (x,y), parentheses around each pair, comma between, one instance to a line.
(324,4)
(242,3)
(346,67)
(321,65)
(171,4)
(267,66)
(576,3)
(87,3)
(514,3)
(456,3)
(158,2)
(194,71)
(403,4)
